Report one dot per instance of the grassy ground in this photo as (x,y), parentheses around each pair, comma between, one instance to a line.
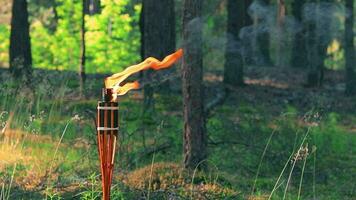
(271,139)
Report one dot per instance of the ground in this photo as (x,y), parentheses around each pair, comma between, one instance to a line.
(272,129)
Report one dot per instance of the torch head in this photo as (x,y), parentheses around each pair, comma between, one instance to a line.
(107,94)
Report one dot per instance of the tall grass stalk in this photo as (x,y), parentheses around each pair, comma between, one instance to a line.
(195,171)
(301,178)
(262,157)
(2,193)
(285,166)
(314,163)
(280,176)
(151,172)
(55,153)
(7,196)
(294,162)
(211,175)
(159,128)
(193,177)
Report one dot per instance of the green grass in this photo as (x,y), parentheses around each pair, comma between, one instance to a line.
(242,149)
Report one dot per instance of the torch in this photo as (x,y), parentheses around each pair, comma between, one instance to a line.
(108,117)
(107,132)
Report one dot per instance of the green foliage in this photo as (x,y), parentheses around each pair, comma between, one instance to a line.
(92,189)
(335,56)
(112,38)
(332,137)
(51,194)
(4,45)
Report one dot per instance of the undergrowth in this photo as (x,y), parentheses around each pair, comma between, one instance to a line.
(254,153)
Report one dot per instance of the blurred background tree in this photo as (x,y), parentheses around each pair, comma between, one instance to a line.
(350,49)
(20,44)
(237,18)
(299,43)
(158,39)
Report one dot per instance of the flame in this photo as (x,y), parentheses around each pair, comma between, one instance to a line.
(115,80)
(127,87)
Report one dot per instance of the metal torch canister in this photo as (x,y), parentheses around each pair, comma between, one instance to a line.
(107,132)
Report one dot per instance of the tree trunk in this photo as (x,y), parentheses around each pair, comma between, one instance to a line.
(299,43)
(263,44)
(280,46)
(20,44)
(248,43)
(236,19)
(316,54)
(158,25)
(194,138)
(350,49)
(82,75)
(313,72)
(142,38)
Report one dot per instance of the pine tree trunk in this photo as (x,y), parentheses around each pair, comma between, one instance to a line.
(142,38)
(82,75)
(280,46)
(20,44)
(299,43)
(350,49)
(312,77)
(316,51)
(248,47)
(233,69)
(194,136)
(263,45)
(158,25)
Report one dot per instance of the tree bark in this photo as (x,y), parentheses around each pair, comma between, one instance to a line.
(20,44)
(263,44)
(350,49)
(280,46)
(236,19)
(194,136)
(82,75)
(316,51)
(158,37)
(299,43)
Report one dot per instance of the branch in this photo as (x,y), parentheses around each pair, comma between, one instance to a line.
(218,100)
(154,149)
(232,142)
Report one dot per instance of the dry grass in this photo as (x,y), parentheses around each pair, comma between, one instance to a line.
(163,176)
(11,147)
(170,177)
(259,197)
(33,164)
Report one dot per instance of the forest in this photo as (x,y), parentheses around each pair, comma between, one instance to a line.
(177,99)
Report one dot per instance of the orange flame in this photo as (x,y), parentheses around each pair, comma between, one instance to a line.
(115,80)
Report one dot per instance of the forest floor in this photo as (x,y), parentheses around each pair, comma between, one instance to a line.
(262,140)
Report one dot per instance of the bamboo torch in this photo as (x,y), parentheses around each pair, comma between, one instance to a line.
(108,117)
(107,132)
